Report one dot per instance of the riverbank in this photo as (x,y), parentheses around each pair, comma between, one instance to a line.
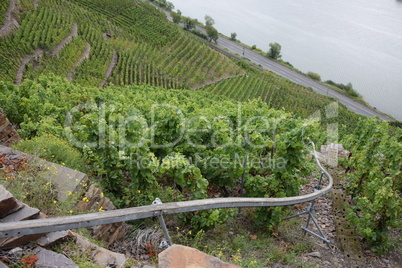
(326,37)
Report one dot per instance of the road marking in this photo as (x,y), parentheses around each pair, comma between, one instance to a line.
(298,78)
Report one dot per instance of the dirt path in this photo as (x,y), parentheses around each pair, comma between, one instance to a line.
(65,41)
(25,61)
(84,56)
(110,69)
(36,3)
(10,20)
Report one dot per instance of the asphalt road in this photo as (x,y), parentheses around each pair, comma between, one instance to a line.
(293,76)
(298,78)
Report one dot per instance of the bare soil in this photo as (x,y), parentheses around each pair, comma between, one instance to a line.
(110,69)
(10,19)
(84,56)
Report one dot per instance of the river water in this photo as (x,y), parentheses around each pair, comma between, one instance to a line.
(357,41)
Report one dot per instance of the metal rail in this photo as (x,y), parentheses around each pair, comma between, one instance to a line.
(29,227)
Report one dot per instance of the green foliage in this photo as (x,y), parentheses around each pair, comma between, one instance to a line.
(233,36)
(53,149)
(348,89)
(314,76)
(274,51)
(178,169)
(397,124)
(205,220)
(164,4)
(3,9)
(189,23)
(136,138)
(200,34)
(212,33)
(32,184)
(176,17)
(272,89)
(209,21)
(376,182)
(150,49)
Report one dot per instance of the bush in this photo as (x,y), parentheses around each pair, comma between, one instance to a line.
(274,51)
(375,183)
(347,88)
(200,34)
(314,76)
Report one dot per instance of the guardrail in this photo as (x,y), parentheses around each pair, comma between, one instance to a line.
(157,209)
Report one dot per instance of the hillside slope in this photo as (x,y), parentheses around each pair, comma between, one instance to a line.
(124,42)
(100,42)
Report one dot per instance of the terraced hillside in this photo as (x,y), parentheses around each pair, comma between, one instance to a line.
(123,42)
(100,42)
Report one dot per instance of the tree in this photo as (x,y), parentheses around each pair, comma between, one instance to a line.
(212,33)
(209,21)
(274,51)
(189,23)
(233,36)
(169,6)
(176,17)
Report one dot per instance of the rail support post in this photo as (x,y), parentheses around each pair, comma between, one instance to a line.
(159,214)
(309,211)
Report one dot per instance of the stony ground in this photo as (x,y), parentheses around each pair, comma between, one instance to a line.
(331,255)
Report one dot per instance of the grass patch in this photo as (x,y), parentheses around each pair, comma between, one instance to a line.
(29,183)
(239,242)
(53,149)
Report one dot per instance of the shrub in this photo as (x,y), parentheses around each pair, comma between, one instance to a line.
(375,183)
(314,76)
(200,34)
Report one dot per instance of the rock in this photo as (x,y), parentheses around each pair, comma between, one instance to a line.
(101,256)
(95,200)
(51,238)
(181,256)
(7,202)
(385,261)
(47,258)
(2,265)
(66,179)
(8,134)
(144,257)
(16,252)
(314,254)
(12,242)
(26,213)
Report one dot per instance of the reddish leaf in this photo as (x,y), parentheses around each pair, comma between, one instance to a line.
(29,261)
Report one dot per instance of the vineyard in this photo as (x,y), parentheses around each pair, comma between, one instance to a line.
(3,9)
(278,93)
(151,135)
(153,111)
(150,50)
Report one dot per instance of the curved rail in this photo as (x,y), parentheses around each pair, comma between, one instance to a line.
(87,220)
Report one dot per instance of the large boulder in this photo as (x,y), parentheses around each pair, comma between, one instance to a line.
(178,256)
